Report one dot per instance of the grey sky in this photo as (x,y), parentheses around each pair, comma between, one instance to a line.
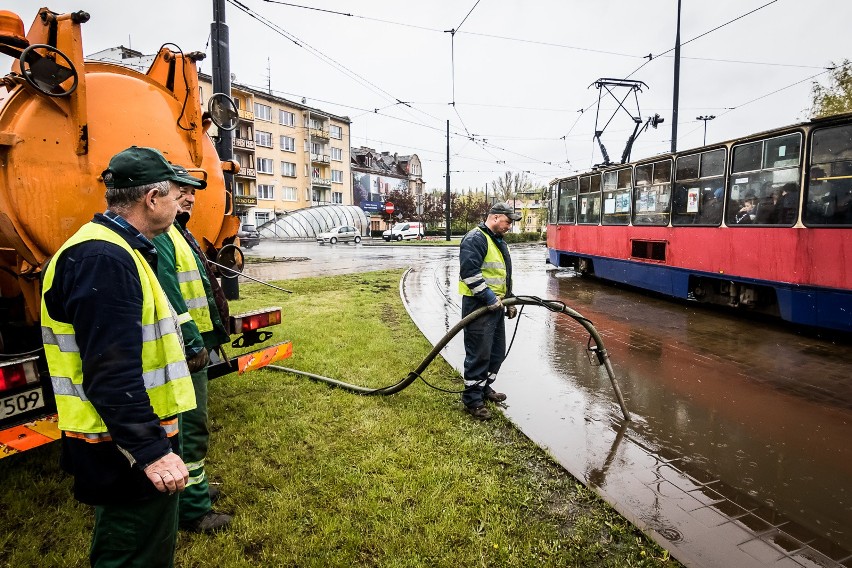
(521,95)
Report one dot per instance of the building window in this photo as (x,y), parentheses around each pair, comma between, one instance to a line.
(289,194)
(336,132)
(264,166)
(262,112)
(240,188)
(265,191)
(261,218)
(337,154)
(415,170)
(286,118)
(337,176)
(336,197)
(288,144)
(288,169)
(262,138)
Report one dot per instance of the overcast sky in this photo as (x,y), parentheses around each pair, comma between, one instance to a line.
(519,71)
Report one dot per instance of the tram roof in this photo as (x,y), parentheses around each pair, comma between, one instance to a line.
(821,121)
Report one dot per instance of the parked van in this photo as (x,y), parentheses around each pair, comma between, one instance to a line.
(407,230)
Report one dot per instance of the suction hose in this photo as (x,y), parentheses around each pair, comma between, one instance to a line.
(552,305)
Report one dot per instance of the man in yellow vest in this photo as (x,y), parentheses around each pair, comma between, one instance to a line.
(183,274)
(117,365)
(485,278)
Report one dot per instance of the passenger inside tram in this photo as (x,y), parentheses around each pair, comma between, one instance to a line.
(746,214)
(829,198)
(711,208)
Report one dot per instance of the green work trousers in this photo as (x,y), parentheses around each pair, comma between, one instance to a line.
(140,535)
(194,438)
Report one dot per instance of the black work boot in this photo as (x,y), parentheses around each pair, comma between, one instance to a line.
(478,412)
(495,396)
(209,522)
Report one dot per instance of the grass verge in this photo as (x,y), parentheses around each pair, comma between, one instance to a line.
(318,477)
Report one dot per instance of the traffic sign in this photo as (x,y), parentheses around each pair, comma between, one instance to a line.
(389,207)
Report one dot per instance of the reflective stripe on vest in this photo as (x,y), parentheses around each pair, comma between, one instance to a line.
(164,371)
(493,272)
(191,285)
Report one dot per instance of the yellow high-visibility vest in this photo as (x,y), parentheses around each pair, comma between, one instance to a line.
(164,370)
(493,271)
(191,285)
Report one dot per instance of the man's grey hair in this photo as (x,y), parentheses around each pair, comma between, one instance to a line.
(127,196)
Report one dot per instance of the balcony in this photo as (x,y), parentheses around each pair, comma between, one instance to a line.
(320,158)
(245,200)
(319,133)
(247,172)
(321,182)
(245,114)
(244,143)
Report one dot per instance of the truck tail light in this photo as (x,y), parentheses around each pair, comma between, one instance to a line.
(18,373)
(255,320)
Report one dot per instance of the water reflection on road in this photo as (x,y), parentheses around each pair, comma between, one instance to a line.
(738,454)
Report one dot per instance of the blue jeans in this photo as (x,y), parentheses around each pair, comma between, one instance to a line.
(484,348)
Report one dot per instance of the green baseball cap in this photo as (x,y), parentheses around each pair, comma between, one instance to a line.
(141,166)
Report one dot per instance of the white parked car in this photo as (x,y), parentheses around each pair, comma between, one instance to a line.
(407,231)
(343,234)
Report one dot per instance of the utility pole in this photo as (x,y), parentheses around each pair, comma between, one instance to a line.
(224,143)
(705,119)
(676,82)
(447,212)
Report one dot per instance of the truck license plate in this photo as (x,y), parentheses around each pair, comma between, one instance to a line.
(21,402)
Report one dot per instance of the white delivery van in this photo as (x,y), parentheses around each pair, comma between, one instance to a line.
(405,231)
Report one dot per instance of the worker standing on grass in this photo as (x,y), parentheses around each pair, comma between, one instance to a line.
(117,364)
(485,278)
(183,272)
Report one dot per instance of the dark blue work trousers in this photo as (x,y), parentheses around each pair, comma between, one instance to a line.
(484,348)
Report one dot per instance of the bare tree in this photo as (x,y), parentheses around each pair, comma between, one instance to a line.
(510,185)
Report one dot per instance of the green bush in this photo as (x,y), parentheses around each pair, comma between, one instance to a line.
(523,237)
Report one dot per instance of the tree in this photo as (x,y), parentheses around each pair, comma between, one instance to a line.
(509,185)
(403,205)
(836,97)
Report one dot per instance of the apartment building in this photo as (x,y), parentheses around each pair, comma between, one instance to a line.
(376,174)
(292,156)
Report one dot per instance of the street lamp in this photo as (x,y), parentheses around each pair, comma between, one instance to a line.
(705,119)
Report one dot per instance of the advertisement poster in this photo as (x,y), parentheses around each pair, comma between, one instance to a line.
(692,200)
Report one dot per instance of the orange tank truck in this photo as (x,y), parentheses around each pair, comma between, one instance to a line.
(61,120)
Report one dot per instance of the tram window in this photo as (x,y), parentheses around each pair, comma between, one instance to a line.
(699,201)
(747,157)
(782,152)
(567,201)
(616,197)
(651,201)
(828,200)
(589,208)
(713,163)
(766,193)
(662,172)
(687,167)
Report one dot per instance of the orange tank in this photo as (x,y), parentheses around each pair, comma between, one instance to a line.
(53,148)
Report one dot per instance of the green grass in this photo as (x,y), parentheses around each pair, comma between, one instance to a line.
(319,477)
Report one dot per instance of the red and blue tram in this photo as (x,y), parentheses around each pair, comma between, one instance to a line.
(762,223)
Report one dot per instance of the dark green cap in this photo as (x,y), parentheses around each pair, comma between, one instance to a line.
(140,166)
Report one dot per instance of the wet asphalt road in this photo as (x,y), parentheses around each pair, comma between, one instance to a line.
(738,451)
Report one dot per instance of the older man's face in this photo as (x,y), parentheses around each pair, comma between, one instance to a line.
(165,209)
(187,199)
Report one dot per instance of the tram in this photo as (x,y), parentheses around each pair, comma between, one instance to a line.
(762,223)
